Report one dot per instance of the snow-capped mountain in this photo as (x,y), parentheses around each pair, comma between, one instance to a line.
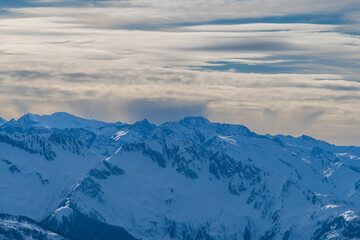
(2,121)
(59,120)
(20,227)
(38,169)
(190,179)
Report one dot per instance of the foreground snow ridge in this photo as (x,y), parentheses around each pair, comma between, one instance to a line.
(65,177)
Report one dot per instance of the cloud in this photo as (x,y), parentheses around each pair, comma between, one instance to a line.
(155,110)
(179,47)
(154,12)
(128,60)
(161,110)
(20,106)
(25,74)
(312,115)
(272,103)
(246,46)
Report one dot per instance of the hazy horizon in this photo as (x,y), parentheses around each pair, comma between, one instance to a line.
(175,120)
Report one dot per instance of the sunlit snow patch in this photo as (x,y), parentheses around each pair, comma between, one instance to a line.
(228,139)
(320,195)
(332,235)
(349,215)
(64,211)
(331,206)
(119,134)
(115,152)
(305,160)
(351,156)
(328,172)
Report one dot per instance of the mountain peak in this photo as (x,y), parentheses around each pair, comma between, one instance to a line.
(2,121)
(308,138)
(59,114)
(145,121)
(60,120)
(196,120)
(29,116)
(262,186)
(28,120)
(144,124)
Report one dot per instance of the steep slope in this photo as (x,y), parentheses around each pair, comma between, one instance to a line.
(103,138)
(106,140)
(38,169)
(194,179)
(23,228)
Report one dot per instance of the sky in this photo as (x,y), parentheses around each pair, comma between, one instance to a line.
(275,66)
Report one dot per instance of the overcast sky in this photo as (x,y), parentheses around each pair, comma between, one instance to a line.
(276,66)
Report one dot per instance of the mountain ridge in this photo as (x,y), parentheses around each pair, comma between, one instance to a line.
(60,120)
(188,179)
(30,120)
(2,121)
(84,123)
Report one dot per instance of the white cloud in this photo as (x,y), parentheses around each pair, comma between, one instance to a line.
(68,59)
(136,12)
(254,27)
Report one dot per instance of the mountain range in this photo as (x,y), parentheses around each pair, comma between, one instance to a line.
(65,177)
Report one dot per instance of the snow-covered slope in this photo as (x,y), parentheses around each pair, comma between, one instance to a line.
(190,179)
(18,227)
(58,120)
(38,169)
(2,121)
(195,179)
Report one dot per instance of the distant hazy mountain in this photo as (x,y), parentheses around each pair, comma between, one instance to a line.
(58,120)
(2,121)
(191,179)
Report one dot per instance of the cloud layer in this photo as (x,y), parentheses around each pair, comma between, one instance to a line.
(161,60)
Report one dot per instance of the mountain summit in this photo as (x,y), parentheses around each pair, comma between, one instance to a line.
(2,121)
(59,120)
(188,179)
